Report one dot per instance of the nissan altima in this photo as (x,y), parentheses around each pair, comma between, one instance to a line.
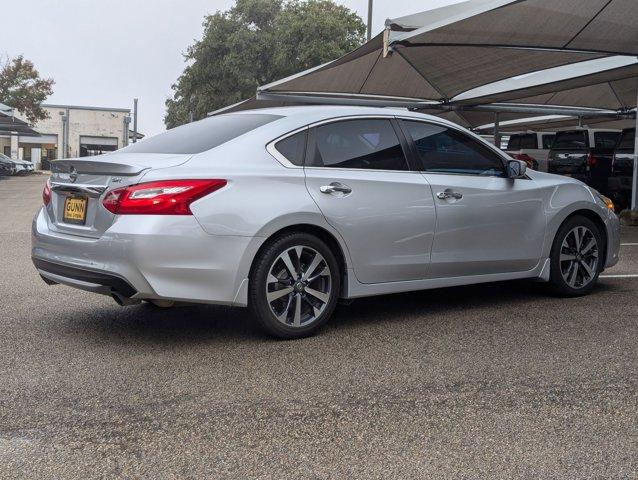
(288,210)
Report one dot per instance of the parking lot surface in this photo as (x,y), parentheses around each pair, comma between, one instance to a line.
(489,381)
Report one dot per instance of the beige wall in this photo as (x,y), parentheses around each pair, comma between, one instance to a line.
(83,122)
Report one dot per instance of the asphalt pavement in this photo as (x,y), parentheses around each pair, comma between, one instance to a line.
(490,381)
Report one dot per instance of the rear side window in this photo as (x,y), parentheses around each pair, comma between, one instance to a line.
(370,144)
(293,147)
(528,141)
(444,150)
(514,143)
(606,139)
(576,140)
(627,141)
(203,135)
(547,141)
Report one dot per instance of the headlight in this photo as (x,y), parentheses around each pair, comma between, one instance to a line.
(607,201)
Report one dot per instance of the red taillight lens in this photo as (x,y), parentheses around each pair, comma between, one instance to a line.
(167,197)
(46,192)
(591,160)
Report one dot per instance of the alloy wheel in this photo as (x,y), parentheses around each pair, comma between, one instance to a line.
(579,257)
(298,286)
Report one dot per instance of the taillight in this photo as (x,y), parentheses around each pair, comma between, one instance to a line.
(591,160)
(46,192)
(166,197)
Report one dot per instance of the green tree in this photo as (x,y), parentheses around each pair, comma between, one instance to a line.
(22,88)
(257,42)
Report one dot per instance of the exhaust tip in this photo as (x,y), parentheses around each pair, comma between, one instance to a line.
(123,301)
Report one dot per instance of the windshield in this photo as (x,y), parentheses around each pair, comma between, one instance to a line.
(203,135)
(4,158)
(570,141)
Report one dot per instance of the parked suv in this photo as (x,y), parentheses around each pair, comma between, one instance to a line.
(622,168)
(584,154)
(531,147)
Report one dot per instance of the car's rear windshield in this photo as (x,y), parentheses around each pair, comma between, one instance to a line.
(203,135)
(627,141)
(570,141)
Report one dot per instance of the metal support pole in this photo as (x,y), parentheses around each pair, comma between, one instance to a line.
(580,121)
(369,32)
(634,183)
(497,135)
(135,120)
(67,146)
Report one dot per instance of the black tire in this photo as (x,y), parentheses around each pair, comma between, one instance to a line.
(558,284)
(257,289)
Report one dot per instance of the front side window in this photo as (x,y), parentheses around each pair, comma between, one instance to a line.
(370,144)
(444,150)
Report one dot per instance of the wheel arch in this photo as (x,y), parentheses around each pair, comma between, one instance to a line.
(596,219)
(328,237)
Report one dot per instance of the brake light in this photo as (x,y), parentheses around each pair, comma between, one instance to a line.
(591,160)
(46,192)
(166,197)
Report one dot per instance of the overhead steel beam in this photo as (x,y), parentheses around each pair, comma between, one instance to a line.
(319,98)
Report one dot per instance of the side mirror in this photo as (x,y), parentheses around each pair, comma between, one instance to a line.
(516,169)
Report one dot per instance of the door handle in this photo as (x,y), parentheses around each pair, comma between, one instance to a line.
(449,194)
(335,187)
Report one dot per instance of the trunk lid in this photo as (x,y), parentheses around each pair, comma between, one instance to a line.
(78,186)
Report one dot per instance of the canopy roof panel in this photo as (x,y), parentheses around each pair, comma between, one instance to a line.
(594,25)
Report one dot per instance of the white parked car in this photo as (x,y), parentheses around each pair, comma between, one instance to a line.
(286,210)
(15,167)
(531,147)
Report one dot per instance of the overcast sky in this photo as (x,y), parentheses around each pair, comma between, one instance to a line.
(106,52)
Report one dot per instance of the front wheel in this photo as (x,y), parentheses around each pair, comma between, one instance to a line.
(294,285)
(576,258)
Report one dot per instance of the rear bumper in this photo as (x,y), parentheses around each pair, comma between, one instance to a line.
(148,257)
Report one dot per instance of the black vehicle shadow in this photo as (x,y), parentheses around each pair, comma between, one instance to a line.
(195,324)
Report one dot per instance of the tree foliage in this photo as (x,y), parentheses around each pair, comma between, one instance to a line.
(22,88)
(257,42)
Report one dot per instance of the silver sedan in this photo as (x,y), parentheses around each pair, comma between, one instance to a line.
(287,210)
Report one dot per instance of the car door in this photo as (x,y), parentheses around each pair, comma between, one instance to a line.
(358,174)
(486,223)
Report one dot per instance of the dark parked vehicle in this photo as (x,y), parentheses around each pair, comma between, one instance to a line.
(585,154)
(622,169)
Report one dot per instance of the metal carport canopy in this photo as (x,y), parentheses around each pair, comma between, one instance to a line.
(607,26)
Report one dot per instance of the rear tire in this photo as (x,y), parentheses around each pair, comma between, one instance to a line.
(576,257)
(294,285)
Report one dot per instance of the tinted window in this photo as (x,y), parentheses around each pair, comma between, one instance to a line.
(606,139)
(547,141)
(514,143)
(442,149)
(293,147)
(627,141)
(528,141)
(203,135)
(576,140)
(367,144)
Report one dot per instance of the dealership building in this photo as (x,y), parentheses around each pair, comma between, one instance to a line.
(69,131)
